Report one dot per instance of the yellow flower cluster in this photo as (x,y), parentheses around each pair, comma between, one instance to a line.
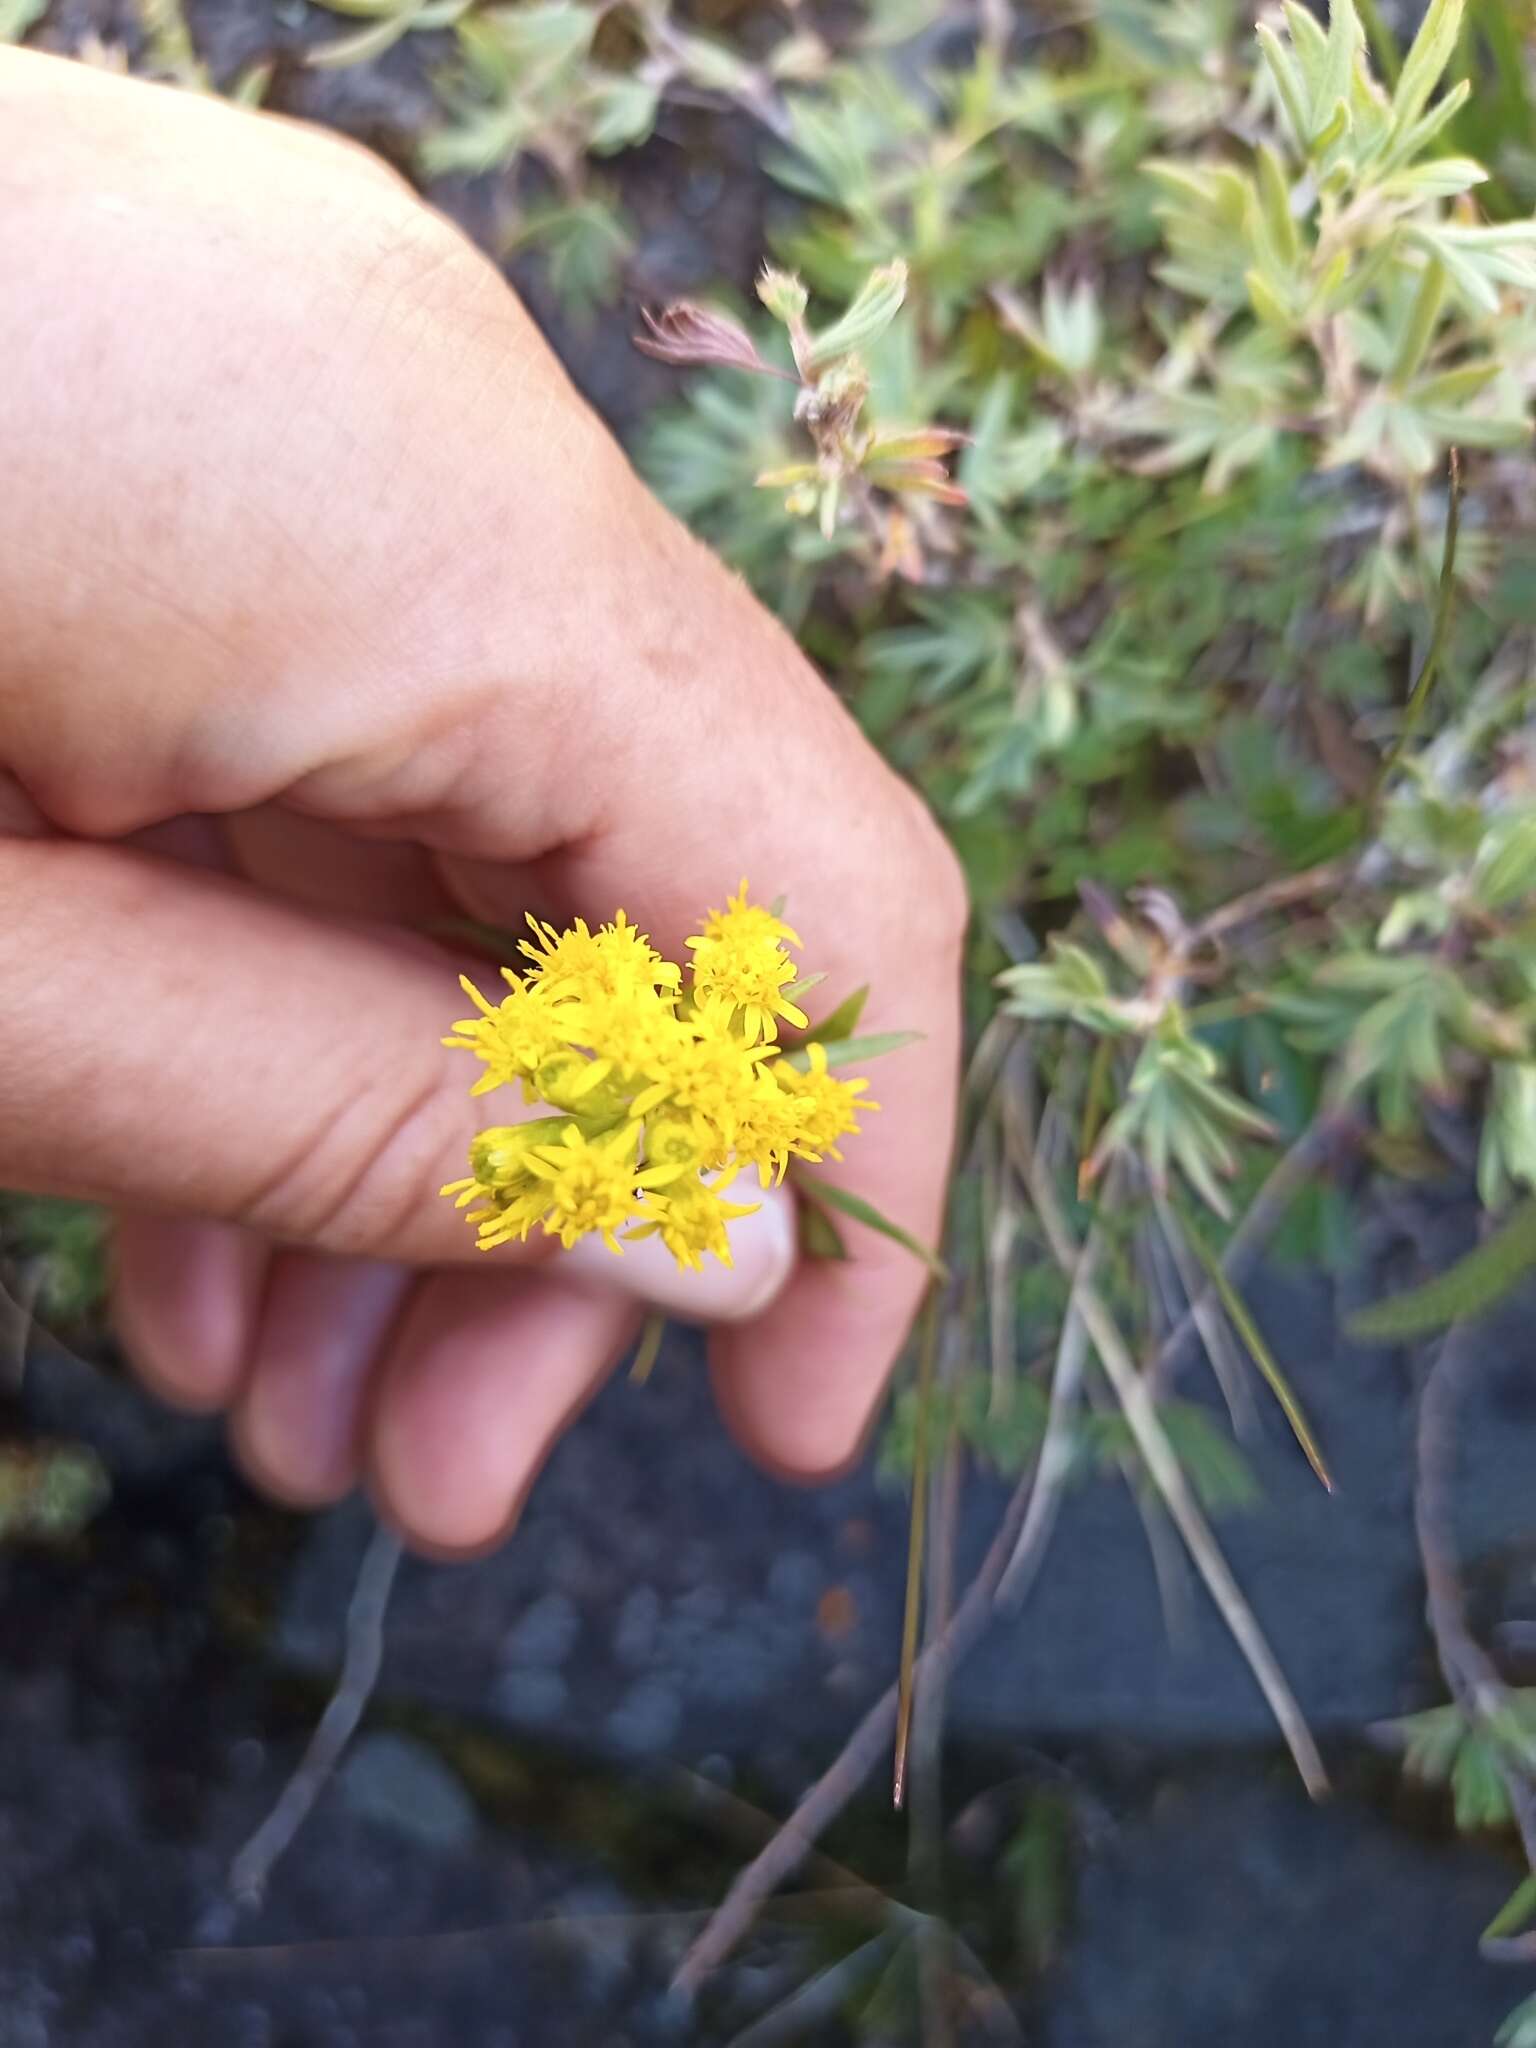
(663,1088)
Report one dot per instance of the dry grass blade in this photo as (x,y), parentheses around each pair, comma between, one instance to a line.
(817,2000)
(648,1349)
(1140,1411)
(795,1840)
(1241,1318)
(253,1866)
(1445,611)
(1215,1334)
(928,1346)
(1263,1218)
(18,1313)
(1055,1456)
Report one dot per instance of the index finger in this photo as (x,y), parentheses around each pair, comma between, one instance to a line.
(752,767)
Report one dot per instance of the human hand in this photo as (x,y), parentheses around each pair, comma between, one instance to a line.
(330,612)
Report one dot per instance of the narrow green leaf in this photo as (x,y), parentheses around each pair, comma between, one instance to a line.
(648,1349)
(1241,1318)
(820,1237)
(1275,195)
(1426,61)
(17,16)
(1516,1910)
(850,1204)
(803,987)
(1288,82)
(1310,45)
(1339,64)
(851,1052)
(1266,302)
(1445,611)
(365,43)
(917,1532)
(1453,388)
(1326,137)
(1469,1288)
(866,319)
(250,88)
(842,1022)
(1380,43)
(1419,329)
(1415,140)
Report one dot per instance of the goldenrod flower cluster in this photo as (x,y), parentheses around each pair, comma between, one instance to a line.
(661,1087)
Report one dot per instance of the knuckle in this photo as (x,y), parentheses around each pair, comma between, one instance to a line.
(940,894)
(409,265)
(360,1186)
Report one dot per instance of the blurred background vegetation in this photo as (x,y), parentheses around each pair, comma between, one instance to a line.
(1129,408)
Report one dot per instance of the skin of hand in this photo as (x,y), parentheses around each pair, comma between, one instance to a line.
(330,611)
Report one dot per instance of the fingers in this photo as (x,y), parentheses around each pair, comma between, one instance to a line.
(173,1041)
(484,1373)
(328,1350)
(452,1387)
(322,615)
(185,1298)
(323,1325)
(788,793)
(273,431)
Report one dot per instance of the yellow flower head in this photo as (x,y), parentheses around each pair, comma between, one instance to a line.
(740,967)
(705,1075)
(593,1184)
(771,1125)
(690,1219)
(665,1092)
(830,1107)
(580,963)
(514,1037)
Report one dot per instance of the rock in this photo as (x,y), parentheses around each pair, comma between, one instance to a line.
(634,1635)
(647,1718)
(534,1695)
(403,1785)
(546,1634)
(795,1578)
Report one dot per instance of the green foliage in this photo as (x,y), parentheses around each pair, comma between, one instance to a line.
(1444,1746)
(49,1492)
(61,1249)
(1004,1428)
(1464,1291)
(1222,1479)
(1038,1865)
(17,16)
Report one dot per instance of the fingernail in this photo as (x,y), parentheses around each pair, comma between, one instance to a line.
(763,1249)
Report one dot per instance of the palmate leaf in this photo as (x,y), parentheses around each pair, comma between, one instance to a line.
(1470,1288)
(1214,1466)
(1177,1113)
(1444,1746)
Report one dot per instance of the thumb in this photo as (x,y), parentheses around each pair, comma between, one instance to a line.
(174,1041)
